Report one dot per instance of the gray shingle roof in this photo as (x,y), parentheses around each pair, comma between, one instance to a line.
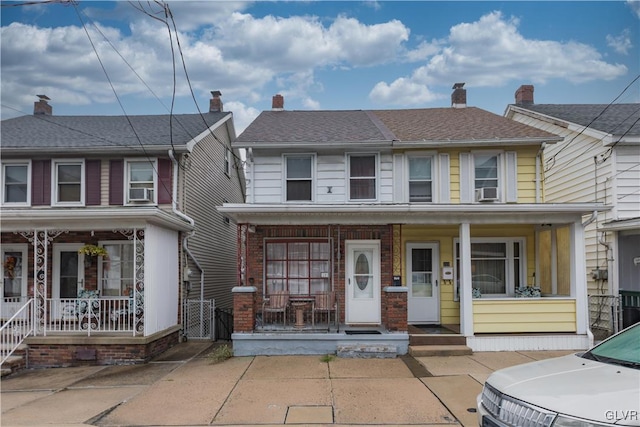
(39,132)
(353,126)
(616,120)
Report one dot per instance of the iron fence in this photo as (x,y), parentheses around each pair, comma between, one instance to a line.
(605,315)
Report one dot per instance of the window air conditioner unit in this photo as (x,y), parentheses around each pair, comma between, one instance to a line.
(487,194)
(140,194)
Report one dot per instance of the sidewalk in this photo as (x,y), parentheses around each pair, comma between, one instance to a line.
(183,387)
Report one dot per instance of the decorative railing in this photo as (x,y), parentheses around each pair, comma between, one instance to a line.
(16,329)
(91,315)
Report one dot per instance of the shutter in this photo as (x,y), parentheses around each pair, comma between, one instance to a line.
(164,181)
(116,182)
(92,180)
(511,179)
(399,179)
(41,183)
(444,178)
(466,193)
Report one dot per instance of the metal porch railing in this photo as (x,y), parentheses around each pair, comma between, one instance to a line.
(16,329)
(90,315)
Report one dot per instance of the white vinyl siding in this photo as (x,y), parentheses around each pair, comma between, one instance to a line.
(627,178)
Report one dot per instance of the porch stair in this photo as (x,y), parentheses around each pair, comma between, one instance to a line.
(15,362)
(425,345)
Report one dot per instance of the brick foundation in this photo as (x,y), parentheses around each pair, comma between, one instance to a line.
(59,351)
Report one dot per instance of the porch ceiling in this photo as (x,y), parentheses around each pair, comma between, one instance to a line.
(82,219)
(379,214)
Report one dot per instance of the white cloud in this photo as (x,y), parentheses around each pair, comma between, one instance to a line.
(621,43)
(402,91)
(635,6)
(491,52)
(243,114)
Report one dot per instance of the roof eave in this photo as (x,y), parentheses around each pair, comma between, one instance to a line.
(501,142)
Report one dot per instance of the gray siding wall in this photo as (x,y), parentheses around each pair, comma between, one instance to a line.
(205,185)
(627,179)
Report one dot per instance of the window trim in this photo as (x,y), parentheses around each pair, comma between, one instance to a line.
(102,243)
(54,181)
(312,157)
(510,282)
(126,180)
(308,241)
(227,161)
(376,177)
(435,174)
(6,163)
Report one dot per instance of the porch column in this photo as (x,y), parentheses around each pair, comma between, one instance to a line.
(578,276)
(395,308)
(244,308)
(466,298)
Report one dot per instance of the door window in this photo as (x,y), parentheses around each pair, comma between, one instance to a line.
(363,275)
(12,274)
(69,274)
(421,272)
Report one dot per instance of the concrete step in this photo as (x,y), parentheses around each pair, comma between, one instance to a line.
(367,351)
(15,362)
(437,339)
(439,350)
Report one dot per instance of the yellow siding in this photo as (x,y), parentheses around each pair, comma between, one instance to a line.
(524,315)
(444,236)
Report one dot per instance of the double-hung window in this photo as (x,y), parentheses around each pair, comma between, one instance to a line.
(141,181)
(117,272)
(362,176)
(420,179)
(227,161)
(68,178)
(299,177)
(299,267)
(485,171)
(15,184)
(497,266)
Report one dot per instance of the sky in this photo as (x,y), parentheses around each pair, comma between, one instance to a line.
(152,57)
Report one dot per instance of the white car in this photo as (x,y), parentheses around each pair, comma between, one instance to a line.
(600,387)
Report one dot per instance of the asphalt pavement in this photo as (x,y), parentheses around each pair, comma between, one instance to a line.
(186,387)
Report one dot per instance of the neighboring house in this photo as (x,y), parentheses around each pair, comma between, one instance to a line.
(598,160)
(406,215)
(108,224)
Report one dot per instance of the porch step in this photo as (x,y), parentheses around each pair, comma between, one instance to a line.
(367,351)
(14,362)
(439,350)
(437,339)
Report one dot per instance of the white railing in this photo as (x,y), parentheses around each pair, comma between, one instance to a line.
(16,329)
(90,315)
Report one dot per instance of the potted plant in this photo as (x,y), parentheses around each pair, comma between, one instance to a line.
(91,251)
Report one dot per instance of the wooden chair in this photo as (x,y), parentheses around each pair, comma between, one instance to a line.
(278,302)
(325,302)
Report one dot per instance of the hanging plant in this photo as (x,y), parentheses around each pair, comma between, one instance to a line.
(94,251)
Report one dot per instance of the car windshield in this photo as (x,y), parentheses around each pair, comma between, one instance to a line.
(621,349)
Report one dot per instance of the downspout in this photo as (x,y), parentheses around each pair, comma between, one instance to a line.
(538,168)
(174,208)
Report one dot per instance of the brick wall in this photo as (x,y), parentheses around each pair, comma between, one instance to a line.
(394,313)
(244,311)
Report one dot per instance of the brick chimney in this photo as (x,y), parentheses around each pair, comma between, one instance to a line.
(277,102)
(459,96)
(215,103)
(524,95)
(42,107)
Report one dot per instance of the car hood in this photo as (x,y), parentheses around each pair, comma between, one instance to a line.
(575,386)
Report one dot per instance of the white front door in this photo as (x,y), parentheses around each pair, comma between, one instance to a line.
(14,279)
(362,284)
(68,277)
(423,301)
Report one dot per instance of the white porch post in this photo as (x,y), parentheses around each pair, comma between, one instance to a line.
(578,277)
(466,298)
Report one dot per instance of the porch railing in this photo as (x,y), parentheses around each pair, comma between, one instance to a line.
(16,329)
(90,315)
(605,315)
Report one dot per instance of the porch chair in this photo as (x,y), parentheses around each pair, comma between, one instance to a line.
(278,302)
(325,302)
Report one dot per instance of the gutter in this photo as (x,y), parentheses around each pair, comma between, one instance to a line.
(538,169)
(174,208)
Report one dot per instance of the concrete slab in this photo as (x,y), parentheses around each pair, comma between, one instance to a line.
(47,379)
(540,355)
(184,351)
(68,407)
(458,393)
(309,415)
(369,368)
(495,360)
(127,375)
(387,401)
(453,365)
(190,395)
(267,400)
(13,399)
(275,367)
